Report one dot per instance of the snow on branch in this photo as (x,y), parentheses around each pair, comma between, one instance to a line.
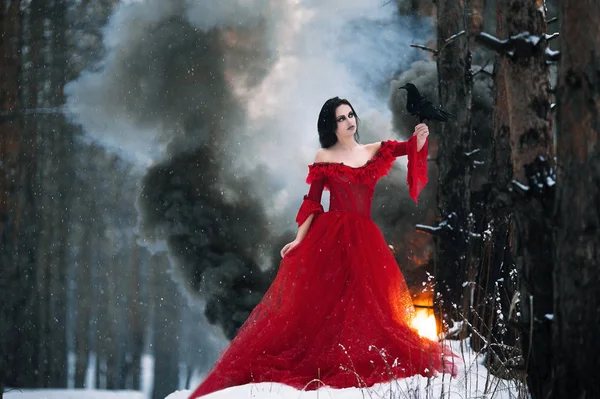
(541,179)
(446,43)
(473,152)
(433,230)
(522,45)
(552,56)
(439,229)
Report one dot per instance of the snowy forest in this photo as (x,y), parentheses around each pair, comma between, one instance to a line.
(153,155)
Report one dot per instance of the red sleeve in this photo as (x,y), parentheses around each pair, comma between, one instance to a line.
(312,202)
(416,177)
(399,148)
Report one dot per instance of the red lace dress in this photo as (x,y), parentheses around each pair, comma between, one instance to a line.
(338,311)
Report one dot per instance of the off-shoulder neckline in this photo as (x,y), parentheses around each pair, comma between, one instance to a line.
(353,167)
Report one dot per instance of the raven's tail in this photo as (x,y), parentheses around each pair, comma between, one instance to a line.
(446,115)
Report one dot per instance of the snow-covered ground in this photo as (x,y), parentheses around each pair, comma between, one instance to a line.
(472,381)
(71,394)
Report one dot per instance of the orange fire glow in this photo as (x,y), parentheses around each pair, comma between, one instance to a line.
(424,323)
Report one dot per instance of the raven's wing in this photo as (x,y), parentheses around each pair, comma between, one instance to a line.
(420,108)
(433,113)
(412,108)
(424,102)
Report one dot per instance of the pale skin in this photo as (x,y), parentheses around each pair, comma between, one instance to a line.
(348,152)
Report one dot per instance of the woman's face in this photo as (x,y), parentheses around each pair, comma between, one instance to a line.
(345,121)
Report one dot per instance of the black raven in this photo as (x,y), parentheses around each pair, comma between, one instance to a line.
(420,106)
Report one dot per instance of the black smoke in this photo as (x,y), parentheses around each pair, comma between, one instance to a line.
(215,240)
(165,94)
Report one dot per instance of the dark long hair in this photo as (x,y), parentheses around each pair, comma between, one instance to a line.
(326,124)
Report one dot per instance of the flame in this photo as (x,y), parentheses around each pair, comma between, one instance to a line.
(424,323)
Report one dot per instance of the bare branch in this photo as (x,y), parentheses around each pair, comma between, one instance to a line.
(451,39)
(519,187)
(454,37)
(483,71)
(446,43)
(473,152)
(431,230)
(434,51)
(491,42)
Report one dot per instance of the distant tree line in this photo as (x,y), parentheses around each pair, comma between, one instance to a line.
(80,301)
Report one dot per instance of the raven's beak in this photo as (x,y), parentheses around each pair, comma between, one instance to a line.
(401,87)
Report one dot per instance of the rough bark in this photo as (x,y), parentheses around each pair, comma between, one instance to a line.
(577,270)
(454,165)
(523,84)
(494,282)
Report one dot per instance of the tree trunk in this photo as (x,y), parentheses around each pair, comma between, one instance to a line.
(166,322)
(105,338)
(19,227)
(54,177)
(577,270)
(135,337)
(454,138)
(494,280)
(83,304)
(85,19)
(63,158)
(13,291)
(39,92)
(522,84)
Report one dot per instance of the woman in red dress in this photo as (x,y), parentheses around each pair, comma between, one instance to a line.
(338,312)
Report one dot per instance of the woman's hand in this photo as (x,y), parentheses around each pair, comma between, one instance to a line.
(289,246)
(421,131)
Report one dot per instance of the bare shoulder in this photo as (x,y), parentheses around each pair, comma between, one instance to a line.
(322,155)
(373,147)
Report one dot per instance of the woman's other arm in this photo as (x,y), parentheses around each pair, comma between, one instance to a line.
(310,207)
